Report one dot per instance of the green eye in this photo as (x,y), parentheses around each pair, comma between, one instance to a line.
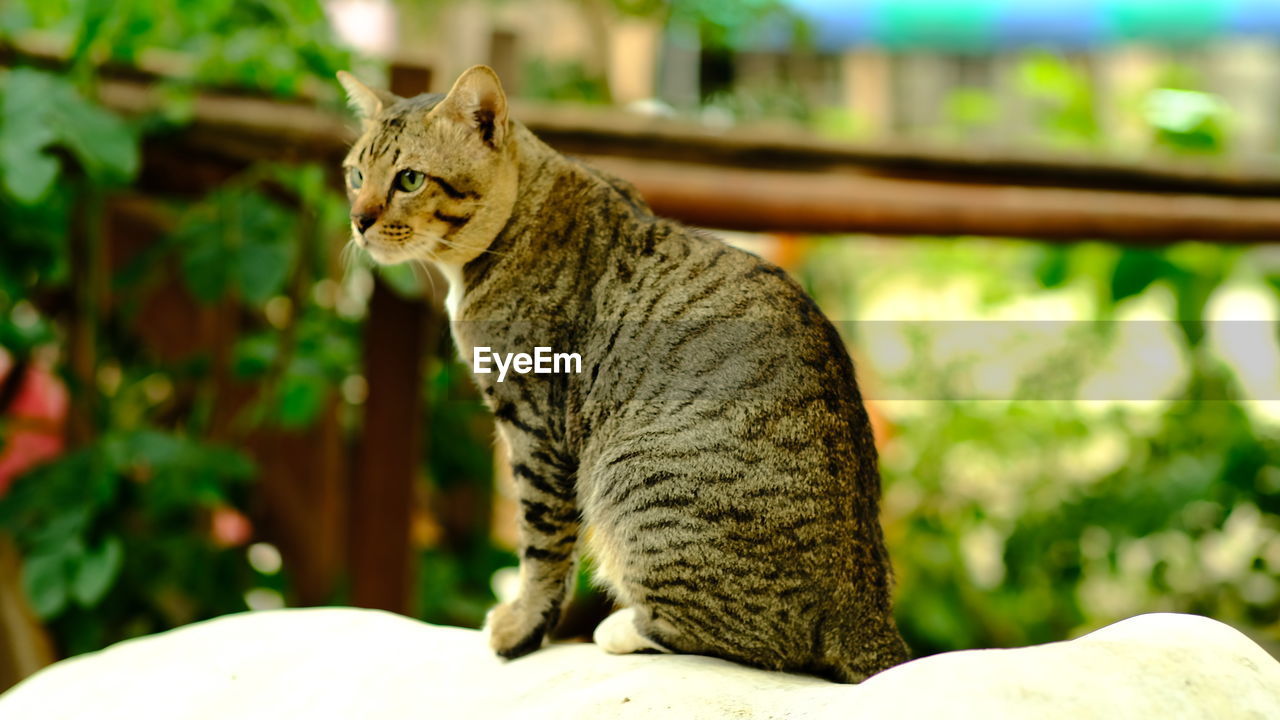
(355,178)
(409,180)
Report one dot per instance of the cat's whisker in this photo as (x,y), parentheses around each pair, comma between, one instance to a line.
(350,257)
(456,246)
(418,258)
(421,264)
(451,244)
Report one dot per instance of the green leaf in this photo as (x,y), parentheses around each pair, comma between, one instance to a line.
(262,268)
(102,142)
(206,265)
(300,398)
(1191,294)
(124,450)
(1135,271)
(41,110)
(44,580)
(231,465)
(97,571)
(91,25)
(25,135)
(1053,269)
(28,176)
(236,238)
(61,530)
(309,182)
(1195,271)
(254,354)
(266,248)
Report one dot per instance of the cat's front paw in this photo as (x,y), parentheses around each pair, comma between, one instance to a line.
(512,631)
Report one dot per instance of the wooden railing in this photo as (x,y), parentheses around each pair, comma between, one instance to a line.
(788,182)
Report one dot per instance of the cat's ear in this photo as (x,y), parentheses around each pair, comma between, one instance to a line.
(477,101)
(366,101)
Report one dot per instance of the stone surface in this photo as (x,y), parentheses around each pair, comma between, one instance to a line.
(346,663)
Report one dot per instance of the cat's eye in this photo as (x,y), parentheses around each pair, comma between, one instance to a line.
(409,180)
(355,178)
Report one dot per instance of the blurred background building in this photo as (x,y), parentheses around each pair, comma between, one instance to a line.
(1047,231)
(912,71)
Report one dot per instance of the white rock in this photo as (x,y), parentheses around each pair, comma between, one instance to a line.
(347,663)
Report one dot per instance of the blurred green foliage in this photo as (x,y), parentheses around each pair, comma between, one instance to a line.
(563,81)
(1062,103)
(721,24)
(276,46)
(1046,511)
(120,535)
(41,111)
(116,536)
(1063,99)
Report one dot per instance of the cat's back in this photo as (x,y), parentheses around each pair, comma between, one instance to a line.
(684,315)
(717,387)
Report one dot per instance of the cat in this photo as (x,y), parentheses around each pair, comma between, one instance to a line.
(713,455)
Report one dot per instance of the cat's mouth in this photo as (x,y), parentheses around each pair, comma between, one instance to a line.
(389,252)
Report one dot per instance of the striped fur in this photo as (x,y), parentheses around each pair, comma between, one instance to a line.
(714,455)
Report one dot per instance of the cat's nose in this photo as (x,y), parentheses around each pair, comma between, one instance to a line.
(363,221)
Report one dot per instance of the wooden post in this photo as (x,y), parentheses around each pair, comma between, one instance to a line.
(382,492)
(24,644)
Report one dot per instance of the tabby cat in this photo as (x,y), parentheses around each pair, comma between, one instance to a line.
(713,454)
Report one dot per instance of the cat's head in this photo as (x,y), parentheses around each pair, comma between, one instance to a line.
(431,177)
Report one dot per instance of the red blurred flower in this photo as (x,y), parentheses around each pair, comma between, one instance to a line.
(229,527)
(31,428)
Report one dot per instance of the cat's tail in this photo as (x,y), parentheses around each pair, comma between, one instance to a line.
(856,653)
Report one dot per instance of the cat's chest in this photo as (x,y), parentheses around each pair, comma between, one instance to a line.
(452,275)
